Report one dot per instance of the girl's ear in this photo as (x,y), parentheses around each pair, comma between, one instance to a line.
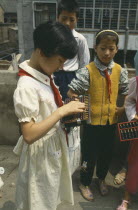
(95,48)
(116,49)
(41,53)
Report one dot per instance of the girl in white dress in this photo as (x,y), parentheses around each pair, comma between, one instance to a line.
(44,178)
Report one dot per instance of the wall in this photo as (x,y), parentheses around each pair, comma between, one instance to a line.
(9,127)
(25,27)
(1,15)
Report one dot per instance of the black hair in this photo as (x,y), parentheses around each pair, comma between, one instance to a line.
(69,6)
(54,38)
(107,34)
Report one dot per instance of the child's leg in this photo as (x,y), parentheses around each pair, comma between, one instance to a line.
(89,148)
(125,202)
(132,174)
(89,152)
(132,177)
(106,150)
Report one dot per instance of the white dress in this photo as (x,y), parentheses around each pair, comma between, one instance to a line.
(44,177)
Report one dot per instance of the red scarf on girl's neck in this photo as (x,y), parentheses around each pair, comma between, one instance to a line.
(57,96)
(107,76)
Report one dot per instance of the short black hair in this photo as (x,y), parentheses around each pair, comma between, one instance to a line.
(69,6)
(109,34)
(54,38)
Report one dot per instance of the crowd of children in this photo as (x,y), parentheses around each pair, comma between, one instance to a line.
(44,175)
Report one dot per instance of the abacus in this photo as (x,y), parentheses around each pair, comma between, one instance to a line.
(80,118)
(128,130)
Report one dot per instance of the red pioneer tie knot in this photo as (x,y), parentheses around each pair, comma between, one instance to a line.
(56,92)
(107,76)
(57,95)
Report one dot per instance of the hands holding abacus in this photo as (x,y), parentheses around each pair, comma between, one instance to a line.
(72,107)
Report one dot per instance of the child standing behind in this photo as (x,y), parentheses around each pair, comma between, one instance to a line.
(68,12)
(101,79)
(44,177)
(131,107)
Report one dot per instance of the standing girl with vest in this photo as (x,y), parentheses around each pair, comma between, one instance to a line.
(131,107)
(102,79)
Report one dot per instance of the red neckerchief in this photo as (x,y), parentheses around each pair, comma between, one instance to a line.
(57,95)
(107,76)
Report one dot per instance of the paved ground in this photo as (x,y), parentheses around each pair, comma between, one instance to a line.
(10,162)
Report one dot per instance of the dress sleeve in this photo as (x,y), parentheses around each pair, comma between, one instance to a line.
(26,104)
(81,84)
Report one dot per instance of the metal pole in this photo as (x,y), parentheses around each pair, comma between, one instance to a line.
(126,44)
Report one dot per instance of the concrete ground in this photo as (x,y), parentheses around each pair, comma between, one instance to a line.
(10,163)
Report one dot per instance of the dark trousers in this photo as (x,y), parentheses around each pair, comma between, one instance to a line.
(62,80)
(97,148)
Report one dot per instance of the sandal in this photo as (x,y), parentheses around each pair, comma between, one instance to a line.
(120,177)
(103,187)
(123,205)
(86,192)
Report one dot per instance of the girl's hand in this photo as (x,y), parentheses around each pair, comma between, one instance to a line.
(120,110)
(71,93)
(72,107)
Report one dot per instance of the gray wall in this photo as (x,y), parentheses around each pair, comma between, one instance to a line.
(9,127)
(25,27)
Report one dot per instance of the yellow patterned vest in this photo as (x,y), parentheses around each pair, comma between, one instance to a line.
(101,109)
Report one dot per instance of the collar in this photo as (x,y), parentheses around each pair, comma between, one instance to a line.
(102,67)
(75,33)
(34,73)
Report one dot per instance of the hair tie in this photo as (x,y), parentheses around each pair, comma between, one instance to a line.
(106,31)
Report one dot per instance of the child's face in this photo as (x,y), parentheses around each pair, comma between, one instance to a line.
(106,50)
(68,18)
(49,65)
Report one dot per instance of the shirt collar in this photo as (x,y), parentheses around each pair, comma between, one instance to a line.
(75,34)
(102,67)
(36,74)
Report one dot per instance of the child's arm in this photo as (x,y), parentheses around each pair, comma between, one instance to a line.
(81,84)
(33,131)
(120,110)
(71,93)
